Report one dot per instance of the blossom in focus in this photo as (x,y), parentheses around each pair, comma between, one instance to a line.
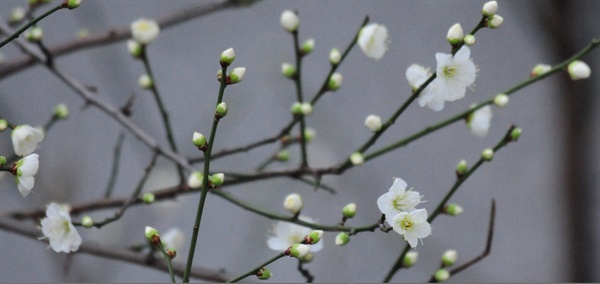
(454,74)
(413,226)
(59,230)
(373,40)
(25,139)
(398,199)
(286,234)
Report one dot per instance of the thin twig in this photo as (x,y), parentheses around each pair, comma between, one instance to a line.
(115,166)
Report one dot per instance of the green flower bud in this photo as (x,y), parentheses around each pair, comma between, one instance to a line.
(461,168)
(171,253)
(152,235)
(308,46)
(515,134)
(296,108)
(540,69)
(313,237)
(349,210)
(298,250)
(455,34)
(148,198)
(283,156)
(501,100)
(307,258)
(221,110)
(335,81)
(87,222)
(342,239)
(2,160)
(441,275)
(61,111)
(71,4)
(263,274)
(195,180)
(145,82)
(410,259)
(134,48)
(288,70)
(199,140)
(227,56)
(237,74)
(449,258)
(3,124)
(495,21)
(335,56)
(34,34)
(357,159)
(16,15)
(309,135)
(469,40)
(306,109)
(487,154)
(217,179)
(453,209)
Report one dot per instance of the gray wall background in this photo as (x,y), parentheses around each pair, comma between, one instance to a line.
(532,241)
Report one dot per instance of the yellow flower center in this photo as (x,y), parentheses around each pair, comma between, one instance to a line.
(406,224)
(449,71)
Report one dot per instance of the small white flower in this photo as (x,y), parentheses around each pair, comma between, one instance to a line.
(398,199)
(287,234)
(289,20)
(59,230)
(373,40)
(454,74)
(293,203)
(579,70)
(25,139)
(479,121)
(489,8)
(455,34)
(373,123)
(413,226)
(495,21)
(144,31)
(416,76)
(26,168)
(174,238)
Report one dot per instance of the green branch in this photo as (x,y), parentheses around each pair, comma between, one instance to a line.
(25,27)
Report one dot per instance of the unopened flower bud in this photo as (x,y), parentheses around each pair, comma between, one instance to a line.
(306,108)
(195,180)
(227,56)
(219,75)
(449,258)
(289,21)
(61,111)
(217,179)
(489,8)
(540,69)
(487,154)
(515,134)
(495,21)
(453,209)
(579,70)
(237,74)
(469,40)
(335,81)
(221,110)
(335,56)
(501,100)
(148,198)
(342,239)
(309,135)
(296,108)
(441,275)
(349,210)
(313,237)
(288,70)
(171,253)
(3,124)
(298,250)
(357,159)
(461,168)
(34,34)
(134,48)
(307,258)
(455,34)
(71,4)
(2,161)
(152,235)
(87,222)
(83,33)
(293,203)
(308,46)
(145,82)
(144,31)
(263,274)
(373,123)
(16,15)
(282,156)
(410,259)
(199,140)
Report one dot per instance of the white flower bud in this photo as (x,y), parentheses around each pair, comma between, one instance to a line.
(61,111)
(34,34)
(357,159)
(342,239)
(441,275)
(449,258)
(288,70)
(293,203)
(199,140)
(308,46)
(373,123)
(540,69)
(148,198)
(144,31)
(453,209)
(16,15)
(335,56)
(335,81)
(579,70)
(145,82)
(349,210)
(455,34)
(221,110)
(150,232)
(309,134)
(489,8)
(469,40)
(501,100)
(410,259)
(134,48)
(72,4)
(237,74)
(487,154)
(87,221)
(306,109)
(495,21)
(3,124)
(298,250)
(195,180)
(228,56)
(289,21)
(217,179)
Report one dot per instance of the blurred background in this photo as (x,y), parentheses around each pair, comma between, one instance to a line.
(545,185)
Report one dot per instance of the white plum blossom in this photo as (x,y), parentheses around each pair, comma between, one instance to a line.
(26,168)
(398,200)
(25,139)
(479,121)
(579,70)
(59,230)
(416,76)
(413,226)
(144,31)
(287,234)
(373,40)
(454,74)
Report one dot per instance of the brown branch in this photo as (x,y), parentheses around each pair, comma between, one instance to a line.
(121,33)
(118,254)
